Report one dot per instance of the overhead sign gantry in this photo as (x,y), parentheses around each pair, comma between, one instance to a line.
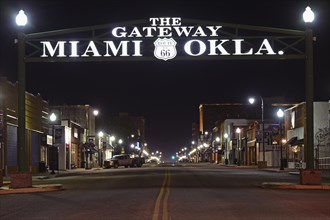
(167,39)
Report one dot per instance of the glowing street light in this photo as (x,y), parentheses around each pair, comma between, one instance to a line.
(251,101)
(308,15)
(52,118)
(226,151)
(280,115)
(100,150)
(238,131)
(96,112)
(21,18)
(112,138)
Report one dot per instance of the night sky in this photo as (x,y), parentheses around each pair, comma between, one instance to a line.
(166,93)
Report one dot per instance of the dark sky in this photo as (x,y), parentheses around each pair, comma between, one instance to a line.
(167,93)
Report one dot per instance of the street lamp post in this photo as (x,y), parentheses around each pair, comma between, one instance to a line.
(226,158)
(308,17)
(21,20)
(238,131)
(280,115)
(100,134)
(53,119)
(251,100)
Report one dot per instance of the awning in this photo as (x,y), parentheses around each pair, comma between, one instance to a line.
(291,141)
(294,141)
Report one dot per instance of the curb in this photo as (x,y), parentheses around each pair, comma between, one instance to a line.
(272,185)
(34,189)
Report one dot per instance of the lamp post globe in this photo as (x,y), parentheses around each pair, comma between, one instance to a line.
(251,100)
(52,117)
(112,138)
(21,18)
(280,113)
(308,15)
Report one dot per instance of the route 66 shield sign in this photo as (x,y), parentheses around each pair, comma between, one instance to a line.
(165,48)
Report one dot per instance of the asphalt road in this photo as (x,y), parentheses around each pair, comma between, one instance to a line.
(172,192)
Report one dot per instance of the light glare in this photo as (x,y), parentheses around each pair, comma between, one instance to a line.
(251,100)
(21,18)
(308,15)
(280,113)
(52,117)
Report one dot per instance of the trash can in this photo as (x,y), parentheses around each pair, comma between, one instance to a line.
(42,167)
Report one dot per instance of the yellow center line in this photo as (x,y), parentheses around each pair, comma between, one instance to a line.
(165,187)
(167,193)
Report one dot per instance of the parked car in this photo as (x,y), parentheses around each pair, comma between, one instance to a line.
(124,160)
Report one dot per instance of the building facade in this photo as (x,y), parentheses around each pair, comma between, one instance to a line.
(248,145)
(74,134)
(295,131)
(36,116)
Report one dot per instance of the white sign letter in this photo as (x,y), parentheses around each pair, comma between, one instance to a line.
(199,31)
(74,48)
(121,34)
(91,48)
(213,47)
(135,32)
(137,46)
(153,21)
(176,21)
(214,30)
(51,51)
(202,47)
(238,48)
(265,46)
(114,50)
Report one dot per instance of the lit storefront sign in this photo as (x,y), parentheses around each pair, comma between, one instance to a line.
(49,139)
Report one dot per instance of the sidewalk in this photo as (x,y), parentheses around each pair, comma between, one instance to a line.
(5,189)
(284,185)
(325,185)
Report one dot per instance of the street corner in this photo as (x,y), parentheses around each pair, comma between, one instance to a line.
(5,190)
(295,186)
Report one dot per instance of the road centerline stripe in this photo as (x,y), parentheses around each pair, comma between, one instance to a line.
(167,193)
(162,198)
